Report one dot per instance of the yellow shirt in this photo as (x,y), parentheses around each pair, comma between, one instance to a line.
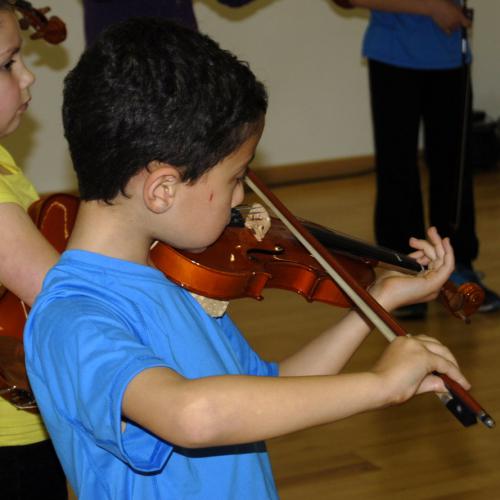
(17,427)
(14,186)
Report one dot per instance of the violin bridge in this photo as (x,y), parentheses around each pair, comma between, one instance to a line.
(258,221)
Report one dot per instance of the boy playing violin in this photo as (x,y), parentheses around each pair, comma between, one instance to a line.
(145,394)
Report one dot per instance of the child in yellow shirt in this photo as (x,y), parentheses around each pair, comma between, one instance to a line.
(28,465)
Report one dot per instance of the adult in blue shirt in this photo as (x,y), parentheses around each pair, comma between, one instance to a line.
(99,14)
(416,70)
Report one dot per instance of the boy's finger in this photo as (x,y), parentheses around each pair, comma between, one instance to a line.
(426,247)
(433,345)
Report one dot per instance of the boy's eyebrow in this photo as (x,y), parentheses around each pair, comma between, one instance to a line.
(10,52)
(246,169)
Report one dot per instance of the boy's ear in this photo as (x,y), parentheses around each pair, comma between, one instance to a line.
(160,185)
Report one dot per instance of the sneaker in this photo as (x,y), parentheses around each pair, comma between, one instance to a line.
(412,311)
(462,275)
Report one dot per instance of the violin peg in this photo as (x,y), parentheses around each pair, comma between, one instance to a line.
(24,24)
(36,36)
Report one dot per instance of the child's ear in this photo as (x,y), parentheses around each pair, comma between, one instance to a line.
(161,183)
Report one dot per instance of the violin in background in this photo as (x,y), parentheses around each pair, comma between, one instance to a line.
(55,216)
(51,29)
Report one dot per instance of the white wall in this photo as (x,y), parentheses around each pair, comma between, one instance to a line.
(485,41)
(307,52)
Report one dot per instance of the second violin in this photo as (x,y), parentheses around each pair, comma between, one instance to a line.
(52,29)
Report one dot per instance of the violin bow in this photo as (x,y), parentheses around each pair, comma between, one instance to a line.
(459,180)
(458,401)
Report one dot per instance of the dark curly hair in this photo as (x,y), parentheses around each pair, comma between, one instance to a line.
(147,90)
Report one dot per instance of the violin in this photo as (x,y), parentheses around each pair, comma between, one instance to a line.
(237,265)
(52,29)
(55,216)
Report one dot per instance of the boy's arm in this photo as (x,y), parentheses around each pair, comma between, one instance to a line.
(216,411)
(445,13)
(236,409)
(328,353)
(25,255)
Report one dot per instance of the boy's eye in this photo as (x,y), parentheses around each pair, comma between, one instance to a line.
(241,177)
(7,66)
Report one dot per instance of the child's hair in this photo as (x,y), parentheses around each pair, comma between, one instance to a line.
(148,90)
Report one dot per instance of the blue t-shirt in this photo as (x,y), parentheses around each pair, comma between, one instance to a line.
(97,323)
(411,41)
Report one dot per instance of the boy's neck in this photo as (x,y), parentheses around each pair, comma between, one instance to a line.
(110,230)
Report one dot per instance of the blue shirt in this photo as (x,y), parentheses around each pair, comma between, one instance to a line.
(411,41)
(97,323)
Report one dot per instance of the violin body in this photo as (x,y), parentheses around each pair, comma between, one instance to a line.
(55,216)
(13,314)
(238,266)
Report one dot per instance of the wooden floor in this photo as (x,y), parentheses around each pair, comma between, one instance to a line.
(415,451)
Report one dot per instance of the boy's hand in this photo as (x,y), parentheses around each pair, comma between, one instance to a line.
(407,364)
(394,289)
(448,15)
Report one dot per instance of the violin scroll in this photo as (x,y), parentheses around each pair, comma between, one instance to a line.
(52,30)
(462,301)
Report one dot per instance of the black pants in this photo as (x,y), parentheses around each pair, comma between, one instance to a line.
(401,99)
(31,472)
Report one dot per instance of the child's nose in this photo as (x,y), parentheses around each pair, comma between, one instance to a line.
(27,78)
